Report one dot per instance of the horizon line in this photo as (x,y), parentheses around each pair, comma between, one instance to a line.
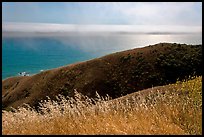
(53,28)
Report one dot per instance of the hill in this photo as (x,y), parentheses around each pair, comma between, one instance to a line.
(170,109)
(116,74)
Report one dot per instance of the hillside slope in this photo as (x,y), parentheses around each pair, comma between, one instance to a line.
(171,109)
(116,74)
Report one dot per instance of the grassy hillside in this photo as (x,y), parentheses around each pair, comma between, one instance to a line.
(171,109)
(116,74)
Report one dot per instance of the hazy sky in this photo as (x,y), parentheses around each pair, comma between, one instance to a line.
(139,17)
(62,20)
(187,14)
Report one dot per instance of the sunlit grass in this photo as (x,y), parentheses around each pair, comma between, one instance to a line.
(178,111)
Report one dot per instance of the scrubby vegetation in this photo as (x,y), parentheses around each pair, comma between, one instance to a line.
(161,64)
(117,74)
(172,109)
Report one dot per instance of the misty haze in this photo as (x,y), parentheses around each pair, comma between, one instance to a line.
(112,67)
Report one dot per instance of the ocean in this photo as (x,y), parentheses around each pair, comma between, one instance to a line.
(35,54)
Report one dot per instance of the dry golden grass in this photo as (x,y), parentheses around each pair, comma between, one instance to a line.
(178,111)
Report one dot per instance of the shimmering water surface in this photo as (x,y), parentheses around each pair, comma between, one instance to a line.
(34,54)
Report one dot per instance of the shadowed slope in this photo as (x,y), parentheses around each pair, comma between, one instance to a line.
(116,74)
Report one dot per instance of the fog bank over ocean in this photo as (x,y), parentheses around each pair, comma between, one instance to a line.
(48,29)
(94,38)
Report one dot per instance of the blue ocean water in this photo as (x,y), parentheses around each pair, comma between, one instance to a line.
(33,54)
